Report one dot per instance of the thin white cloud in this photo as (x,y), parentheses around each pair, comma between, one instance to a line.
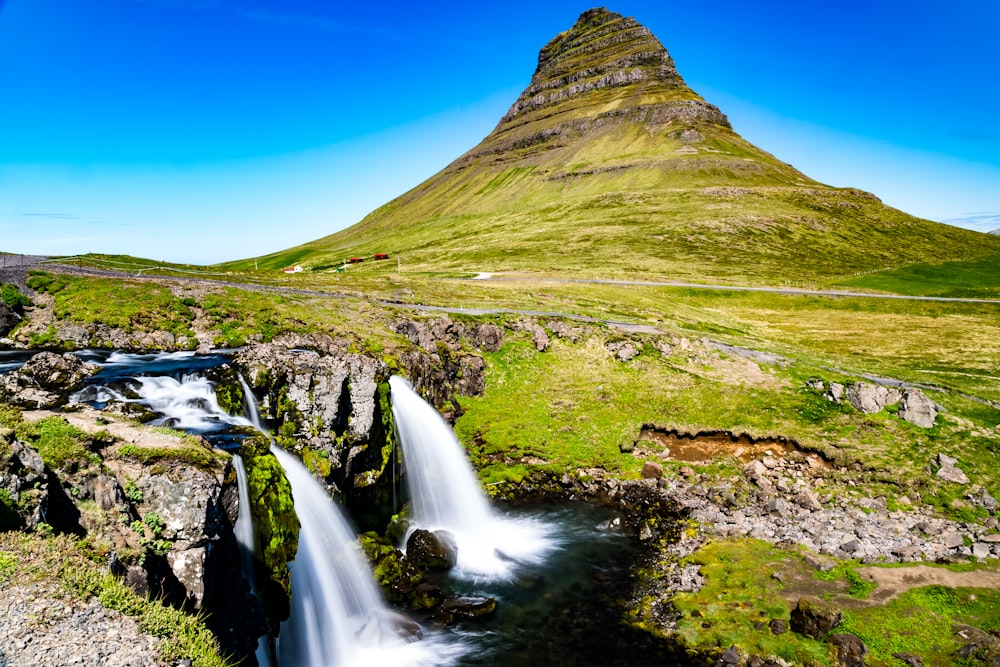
(982,221)
(53,216)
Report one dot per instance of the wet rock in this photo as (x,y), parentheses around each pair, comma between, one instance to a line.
(813,617)
(869,398)
(917,409)
(463,607)
(58,371)
(848,649)
(426,596)
(45,380)
(731,656)
(432,550)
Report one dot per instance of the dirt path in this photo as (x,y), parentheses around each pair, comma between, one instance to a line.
(892,581)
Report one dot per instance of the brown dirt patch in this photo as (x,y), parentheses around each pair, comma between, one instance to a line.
(706,445)
(893,581)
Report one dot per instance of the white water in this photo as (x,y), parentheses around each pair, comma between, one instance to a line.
(445,494)
(243,529)
(187,404)
(338,618)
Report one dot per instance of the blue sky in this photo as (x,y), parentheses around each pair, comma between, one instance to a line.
(211,130)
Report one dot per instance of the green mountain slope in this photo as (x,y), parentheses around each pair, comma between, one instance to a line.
(609,165)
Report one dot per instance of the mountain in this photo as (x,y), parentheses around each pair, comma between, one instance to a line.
(609,165)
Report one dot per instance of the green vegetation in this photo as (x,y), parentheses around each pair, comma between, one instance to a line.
(11,295)
(57,442)
(57,559)
(739,594)
(275,520)
(977,278)
(188,449)
(918,622)
(846,571)
(130,306)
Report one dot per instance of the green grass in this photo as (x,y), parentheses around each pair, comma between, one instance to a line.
(846,571)
(974,278)
(919,622)
(191,453)
(56,441)
(738,593)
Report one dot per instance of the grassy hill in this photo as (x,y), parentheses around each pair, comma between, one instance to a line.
(609,165)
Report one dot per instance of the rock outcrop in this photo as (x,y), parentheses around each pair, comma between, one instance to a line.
(814,618)
(917,409)
(44,380)
(334,411)
(167,528)
(8,319)
(870,398)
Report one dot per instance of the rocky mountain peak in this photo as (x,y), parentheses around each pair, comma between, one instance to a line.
(606,71)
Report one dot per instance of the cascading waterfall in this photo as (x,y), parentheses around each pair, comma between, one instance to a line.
(445,494)
(338,617)
(244,530)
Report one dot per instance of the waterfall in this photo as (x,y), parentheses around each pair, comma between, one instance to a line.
(243,529)
(445,494)
(338,617)
(250,405)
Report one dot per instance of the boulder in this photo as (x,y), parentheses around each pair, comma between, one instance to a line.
(909,659)
(849,651)
(326,402)
(652,470)
(917,409)
(870,398)
(488,336)
(435,550)
(183,506)
(45,380)
(463,607)
(835,393)
(64,372)
(24,480)
(814,618)
(951,473)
